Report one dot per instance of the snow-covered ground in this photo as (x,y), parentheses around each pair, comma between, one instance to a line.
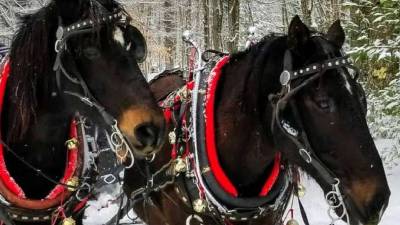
(102,210)
(317,208)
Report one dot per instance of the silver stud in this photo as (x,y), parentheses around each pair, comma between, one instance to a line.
(307,69)
(91,22)
(84,23)
(255,217)
(14,215)
(79,25)
(301,71)
(110,17)
(337,62)
(68,29)
(24,218)
(73,27)
(314,67)
(46,217)
(330,64)
(295,73)
(232,218)
(322,65)
(35,218)
(343,61)
(243,219)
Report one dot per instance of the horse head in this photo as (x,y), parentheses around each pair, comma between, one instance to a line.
(327,109)
(96,53)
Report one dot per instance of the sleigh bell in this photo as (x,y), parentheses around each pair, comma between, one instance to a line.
(72,144)
(301,191)
(72,183)
(68,221)
(292,222)
(180,165)
(199,205)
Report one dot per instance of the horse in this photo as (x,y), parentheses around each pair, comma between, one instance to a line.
(239,133)
(72,65)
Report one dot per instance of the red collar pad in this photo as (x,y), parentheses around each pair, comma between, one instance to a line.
(5,178)
(212,154)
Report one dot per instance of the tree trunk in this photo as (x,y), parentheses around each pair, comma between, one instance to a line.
(206,23)
(233,24)
(168,40)
(306,9)
(216,8)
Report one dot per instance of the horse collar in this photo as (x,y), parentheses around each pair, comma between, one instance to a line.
(197,161)
(72,190)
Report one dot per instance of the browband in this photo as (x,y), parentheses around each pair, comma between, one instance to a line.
(287,75)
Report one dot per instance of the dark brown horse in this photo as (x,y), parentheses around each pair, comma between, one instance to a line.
(290,97)
(70,57)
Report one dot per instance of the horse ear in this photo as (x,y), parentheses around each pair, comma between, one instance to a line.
(70,10)
(298,33)
(336,34)
(138,45)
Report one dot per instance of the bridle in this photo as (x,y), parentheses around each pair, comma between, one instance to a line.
(303,77)
(63,34)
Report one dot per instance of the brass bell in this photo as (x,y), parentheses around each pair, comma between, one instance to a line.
(180,165)
(72,144)
(301,191)
(172,137)
(68,221)
(292,222)
(72,183)
(199,205)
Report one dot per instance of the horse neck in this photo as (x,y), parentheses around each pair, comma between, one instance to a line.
(243,115)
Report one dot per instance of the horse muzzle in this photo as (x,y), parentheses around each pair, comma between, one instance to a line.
(145,130)
(367,205)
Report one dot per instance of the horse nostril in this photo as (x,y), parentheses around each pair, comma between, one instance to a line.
(146,134)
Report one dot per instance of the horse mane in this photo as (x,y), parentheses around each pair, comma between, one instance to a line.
(32,57)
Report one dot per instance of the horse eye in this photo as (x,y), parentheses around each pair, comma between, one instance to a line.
(91,53)
(325,104)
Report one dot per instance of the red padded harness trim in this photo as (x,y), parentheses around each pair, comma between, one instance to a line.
(72,158)
(215,166)
(4,174)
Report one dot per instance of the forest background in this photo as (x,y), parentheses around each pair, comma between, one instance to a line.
(372,28)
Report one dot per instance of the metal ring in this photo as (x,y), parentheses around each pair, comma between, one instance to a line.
(57,46)
(109,178)
(194,217)
(77,194)
(153,156)
(309,158)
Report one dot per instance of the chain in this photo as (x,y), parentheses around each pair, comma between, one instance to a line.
(335,201)
(120,144)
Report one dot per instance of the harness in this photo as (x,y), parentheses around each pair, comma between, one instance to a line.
(194,169)
(92,163)
(90,141)
(283,100)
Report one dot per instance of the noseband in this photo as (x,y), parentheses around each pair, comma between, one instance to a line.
(281,101)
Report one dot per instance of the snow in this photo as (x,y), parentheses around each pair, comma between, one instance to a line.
(104,208)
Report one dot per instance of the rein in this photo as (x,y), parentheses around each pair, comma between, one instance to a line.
(283,100)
